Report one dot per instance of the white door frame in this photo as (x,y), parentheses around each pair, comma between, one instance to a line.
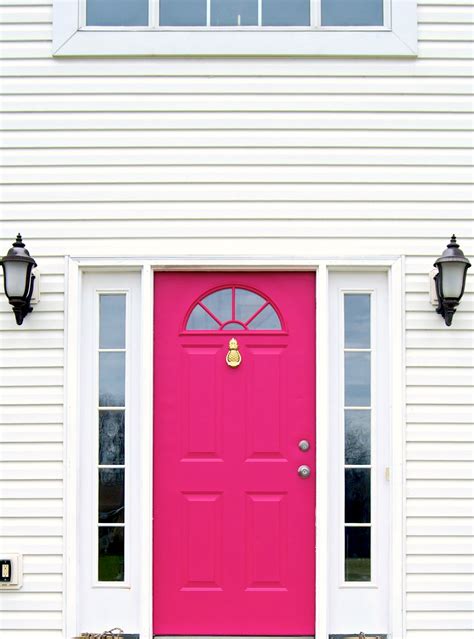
(74,266)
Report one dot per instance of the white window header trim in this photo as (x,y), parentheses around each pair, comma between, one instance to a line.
(70,40)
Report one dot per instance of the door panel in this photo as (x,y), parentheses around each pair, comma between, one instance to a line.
(234,536)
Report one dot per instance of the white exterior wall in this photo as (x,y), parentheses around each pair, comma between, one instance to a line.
(230,157)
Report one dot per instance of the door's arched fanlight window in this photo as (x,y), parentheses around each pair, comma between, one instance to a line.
(233,309)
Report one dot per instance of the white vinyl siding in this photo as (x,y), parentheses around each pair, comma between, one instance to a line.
(231,157)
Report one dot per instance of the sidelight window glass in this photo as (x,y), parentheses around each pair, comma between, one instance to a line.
(357,437)
(111,438)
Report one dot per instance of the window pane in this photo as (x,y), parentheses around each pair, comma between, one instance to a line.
(357,437)
(266,320)
(354,13)
(234,13)
(233,326)
(285,13)
(357,560)
(357,495)
(357,379)
(111,553)
(111,437)
(199,320)
(111,495)
(191,13)
(112,321)
(357,321)
(111,379)
(220,303)
(246,304)
(117,13)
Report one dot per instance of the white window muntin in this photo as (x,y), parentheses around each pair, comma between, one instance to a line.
(372,525)
(315,21)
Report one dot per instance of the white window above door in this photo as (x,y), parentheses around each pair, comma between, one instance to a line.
(235,27)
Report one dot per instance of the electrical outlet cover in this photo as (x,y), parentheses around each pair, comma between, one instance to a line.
(16,581)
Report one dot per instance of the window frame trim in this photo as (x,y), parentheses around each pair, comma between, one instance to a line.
(70,39)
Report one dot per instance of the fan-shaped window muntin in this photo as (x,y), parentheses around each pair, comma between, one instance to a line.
(233,308)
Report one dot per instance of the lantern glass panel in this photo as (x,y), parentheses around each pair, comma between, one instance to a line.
(452,279)
(16,273)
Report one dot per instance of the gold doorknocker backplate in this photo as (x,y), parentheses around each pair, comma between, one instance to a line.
(233,357)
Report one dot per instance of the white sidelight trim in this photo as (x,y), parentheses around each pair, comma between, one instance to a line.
(398,37)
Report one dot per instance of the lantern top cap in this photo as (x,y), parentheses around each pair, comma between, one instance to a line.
(453,254)
(18,253)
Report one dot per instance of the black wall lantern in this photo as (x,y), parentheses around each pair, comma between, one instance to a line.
(450,279)
(18,279)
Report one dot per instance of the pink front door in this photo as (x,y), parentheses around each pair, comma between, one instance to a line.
(234,522)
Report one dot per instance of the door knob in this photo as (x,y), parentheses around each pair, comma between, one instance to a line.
(304,471)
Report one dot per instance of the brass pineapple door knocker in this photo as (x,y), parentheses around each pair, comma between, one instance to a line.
(233,357)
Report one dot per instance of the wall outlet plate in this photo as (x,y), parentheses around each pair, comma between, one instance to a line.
(16,581)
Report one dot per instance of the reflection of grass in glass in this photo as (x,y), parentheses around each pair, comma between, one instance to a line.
(111,568)
(357,569)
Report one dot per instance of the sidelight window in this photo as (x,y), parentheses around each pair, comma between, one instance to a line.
(357,437)
(111,437)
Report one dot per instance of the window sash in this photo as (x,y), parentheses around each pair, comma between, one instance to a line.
(315,21)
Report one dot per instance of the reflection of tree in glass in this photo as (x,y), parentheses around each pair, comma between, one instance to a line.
(357,437)
(111,437)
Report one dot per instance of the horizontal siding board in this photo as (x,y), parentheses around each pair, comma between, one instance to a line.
(29,377)
(439,376)
(346,191)
(15,601)
(38,621)
(236,157)
(235,67)
(231,174)
(35,546)
(437,601)
(248,210)
(32,470)
(432,583)
(441,451)
(440,508)
(24,130)
(440,469)
(440,620)
(38,451)
(283,85)
(31,433)
(29,360)
(256,103)
(41,489)
(32,527)
(442,432)
(440,489)
(44,508)
(438,527)
(95,229)
(439,564)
